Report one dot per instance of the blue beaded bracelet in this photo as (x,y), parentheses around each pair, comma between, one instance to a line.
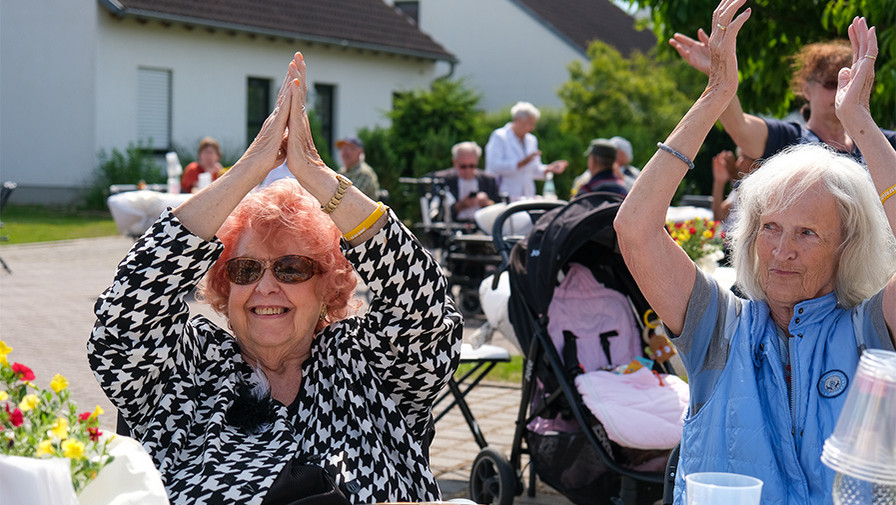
(677,154)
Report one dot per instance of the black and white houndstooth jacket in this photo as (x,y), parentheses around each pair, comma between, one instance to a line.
(367,390)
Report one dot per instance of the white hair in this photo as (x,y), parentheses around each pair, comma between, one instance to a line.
(524,109)
(867,253)
(465,147)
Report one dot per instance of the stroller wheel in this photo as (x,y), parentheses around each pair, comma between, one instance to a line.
(469,303)
(492,480)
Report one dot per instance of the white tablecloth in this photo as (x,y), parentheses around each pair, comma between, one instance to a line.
(682,214)
(135,211)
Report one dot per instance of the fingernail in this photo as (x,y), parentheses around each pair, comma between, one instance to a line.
(296,82)
(301,57)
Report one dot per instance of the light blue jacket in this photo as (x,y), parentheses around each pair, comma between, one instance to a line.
(741,419)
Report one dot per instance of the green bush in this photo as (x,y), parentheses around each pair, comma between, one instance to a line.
(136,164)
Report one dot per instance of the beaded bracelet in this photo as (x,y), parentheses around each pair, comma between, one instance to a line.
(888,193)
(367,223)
(334,202)
(677,154)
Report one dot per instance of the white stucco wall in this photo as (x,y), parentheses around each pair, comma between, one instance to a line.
(506,54)
(69,86)
(47,97)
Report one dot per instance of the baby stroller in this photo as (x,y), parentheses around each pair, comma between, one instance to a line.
(569,448)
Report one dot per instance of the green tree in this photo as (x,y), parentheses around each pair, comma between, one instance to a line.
(776,31)
(639,98)
(425,124)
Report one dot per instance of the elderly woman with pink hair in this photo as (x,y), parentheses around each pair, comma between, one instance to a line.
(298,402)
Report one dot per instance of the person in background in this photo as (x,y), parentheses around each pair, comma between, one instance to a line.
(512,155)
(814,251)
(208,161)
(624,157)
(602,155)
(351,151)
(294,400)
(471,188)
(814,80)
(728,167)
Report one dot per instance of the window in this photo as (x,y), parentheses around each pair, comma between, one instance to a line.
(410,9)
(258,106)
(154,108)
(324,98)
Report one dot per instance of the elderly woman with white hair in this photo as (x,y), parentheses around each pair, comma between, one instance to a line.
(815,253)
(512,155)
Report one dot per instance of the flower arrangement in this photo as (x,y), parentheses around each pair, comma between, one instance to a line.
(700,238)
(37,423)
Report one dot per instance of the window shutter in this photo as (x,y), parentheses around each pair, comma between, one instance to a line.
(154,108)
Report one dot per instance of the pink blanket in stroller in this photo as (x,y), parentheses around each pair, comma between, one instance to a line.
(637,411)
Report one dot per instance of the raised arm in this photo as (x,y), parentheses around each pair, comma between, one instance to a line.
(661,268)
(853,96)
(720,177)
(748,131)
(205,212)
(307,166)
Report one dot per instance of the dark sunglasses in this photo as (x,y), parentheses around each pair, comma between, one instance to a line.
(290,269)
(467,166)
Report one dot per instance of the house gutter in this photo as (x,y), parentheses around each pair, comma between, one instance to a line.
(118,10)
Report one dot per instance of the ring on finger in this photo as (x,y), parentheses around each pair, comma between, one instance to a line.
(870,57)
(721,27)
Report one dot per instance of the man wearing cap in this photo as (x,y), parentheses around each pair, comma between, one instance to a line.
(351,150)
(601,158)
(623,159)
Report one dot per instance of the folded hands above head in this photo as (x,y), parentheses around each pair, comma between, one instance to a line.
(284,136)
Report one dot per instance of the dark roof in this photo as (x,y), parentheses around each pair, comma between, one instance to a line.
(582,21)
(369,24)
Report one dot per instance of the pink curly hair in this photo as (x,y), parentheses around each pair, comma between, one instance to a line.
(284,213)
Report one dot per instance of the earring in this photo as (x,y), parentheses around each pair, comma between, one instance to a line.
(323,313)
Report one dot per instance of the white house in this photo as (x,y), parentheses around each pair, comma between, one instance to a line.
(80,76)
(512,50)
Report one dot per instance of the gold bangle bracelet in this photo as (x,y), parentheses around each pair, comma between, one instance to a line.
(334,202)
(367,223)
(887,194)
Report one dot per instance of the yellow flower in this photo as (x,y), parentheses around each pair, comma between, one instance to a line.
(44,448)
(60,428)
(72,449)
(28,403)
(4,350)
(98,411)
(4,396)
(58,383)
(707,234)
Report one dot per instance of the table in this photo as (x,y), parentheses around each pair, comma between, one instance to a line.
(682,214)
(135,211)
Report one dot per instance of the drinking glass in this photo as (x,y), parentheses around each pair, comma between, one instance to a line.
(719,488)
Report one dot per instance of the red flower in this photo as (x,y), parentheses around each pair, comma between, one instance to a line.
(16,417)
(693,231)
(95,433)
(23,372)
(85,416)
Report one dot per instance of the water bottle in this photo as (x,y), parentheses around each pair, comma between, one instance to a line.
(852,491)
(174,171)
(549,192)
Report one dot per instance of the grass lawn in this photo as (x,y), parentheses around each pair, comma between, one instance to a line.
(512,371)
(39,223)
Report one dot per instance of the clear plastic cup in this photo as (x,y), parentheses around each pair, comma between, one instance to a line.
(719,488)
(863,444)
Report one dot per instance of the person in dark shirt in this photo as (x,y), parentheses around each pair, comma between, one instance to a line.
(601,157)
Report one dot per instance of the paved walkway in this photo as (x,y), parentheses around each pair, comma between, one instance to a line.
(46,315)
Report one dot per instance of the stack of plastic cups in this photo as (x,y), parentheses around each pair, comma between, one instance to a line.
(862,449)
